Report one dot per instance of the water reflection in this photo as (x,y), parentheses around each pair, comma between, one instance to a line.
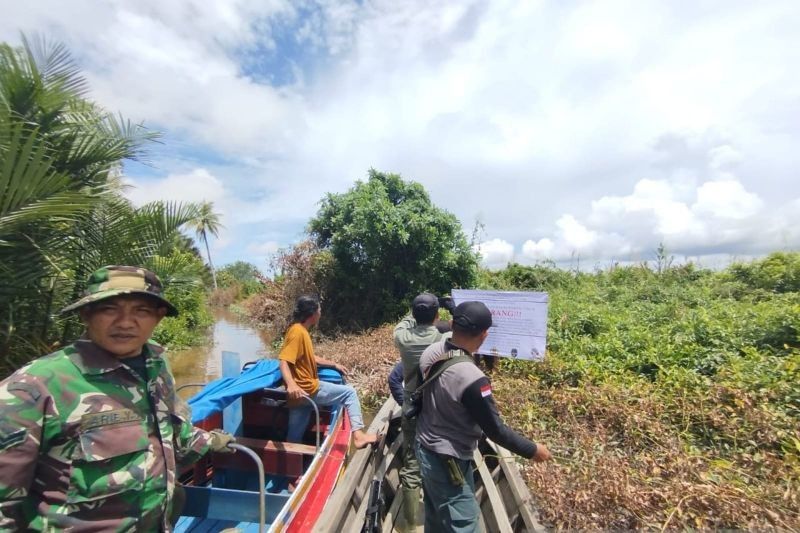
(202,364)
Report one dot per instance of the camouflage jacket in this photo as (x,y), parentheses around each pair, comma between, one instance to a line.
(80,449)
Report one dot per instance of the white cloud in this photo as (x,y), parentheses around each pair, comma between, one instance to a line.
(495,253)
(574,234)
(541,249)
(261,253)
(654,205)
(174,65)
(263,248)
(197,185)
(726,199)
(718,214)
(724,156)
(596,129)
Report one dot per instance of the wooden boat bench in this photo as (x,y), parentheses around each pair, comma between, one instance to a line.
(264,422)
(225,490)
(281,458)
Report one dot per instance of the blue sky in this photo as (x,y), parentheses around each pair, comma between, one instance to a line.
(591,130)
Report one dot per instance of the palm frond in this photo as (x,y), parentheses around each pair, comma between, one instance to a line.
(177,270)
(62,214)
(54,65)
(206,221)
(29,188)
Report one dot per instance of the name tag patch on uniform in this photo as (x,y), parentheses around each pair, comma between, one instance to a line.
(486,390)
(108,418)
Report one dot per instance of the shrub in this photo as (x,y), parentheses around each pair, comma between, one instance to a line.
(190,327)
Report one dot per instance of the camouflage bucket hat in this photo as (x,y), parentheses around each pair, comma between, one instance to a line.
(114,280)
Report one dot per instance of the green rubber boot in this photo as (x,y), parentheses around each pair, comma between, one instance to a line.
(410,509)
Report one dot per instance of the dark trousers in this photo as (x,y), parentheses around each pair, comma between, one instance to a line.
(409,472)
(448,507)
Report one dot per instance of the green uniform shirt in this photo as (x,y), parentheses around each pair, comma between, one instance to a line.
(82,449)
(411,340)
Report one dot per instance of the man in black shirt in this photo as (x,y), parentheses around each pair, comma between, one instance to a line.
(457,409)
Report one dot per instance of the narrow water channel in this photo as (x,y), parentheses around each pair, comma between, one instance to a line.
(202,364)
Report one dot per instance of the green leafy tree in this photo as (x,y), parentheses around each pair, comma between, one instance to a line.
(241,271)
(241,277)
(779,272)
(388,243)
(182,272)
(116,232)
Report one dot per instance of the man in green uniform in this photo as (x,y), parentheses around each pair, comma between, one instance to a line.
(411,336)
(91,436)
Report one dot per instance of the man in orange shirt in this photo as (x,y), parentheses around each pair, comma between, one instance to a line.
(298,366)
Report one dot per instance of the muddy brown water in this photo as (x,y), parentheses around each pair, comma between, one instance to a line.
(230,333)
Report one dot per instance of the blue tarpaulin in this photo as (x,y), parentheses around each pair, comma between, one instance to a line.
(220,393)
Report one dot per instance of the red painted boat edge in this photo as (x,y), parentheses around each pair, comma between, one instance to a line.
(317,496)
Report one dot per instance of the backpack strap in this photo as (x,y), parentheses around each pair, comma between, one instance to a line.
(454,357)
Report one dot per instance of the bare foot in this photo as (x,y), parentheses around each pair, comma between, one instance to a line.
(361,439)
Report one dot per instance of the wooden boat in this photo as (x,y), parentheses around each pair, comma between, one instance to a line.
(367,498)
(224,491)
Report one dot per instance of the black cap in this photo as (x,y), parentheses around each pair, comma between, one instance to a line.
(425,301)
(472,316)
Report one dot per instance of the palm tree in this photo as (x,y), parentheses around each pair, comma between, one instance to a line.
(61,212)
(207,222)
(116,232)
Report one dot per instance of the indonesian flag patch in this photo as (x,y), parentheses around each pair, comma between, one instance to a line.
(486,390)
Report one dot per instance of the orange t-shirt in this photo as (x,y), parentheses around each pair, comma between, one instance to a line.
(299,353)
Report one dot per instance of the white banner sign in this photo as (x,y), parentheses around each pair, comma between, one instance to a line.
(519,322)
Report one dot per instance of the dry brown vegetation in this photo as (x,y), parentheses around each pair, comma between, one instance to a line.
(223,297)
(620,461)
(669,397)
(271,308)
(268,309)
(369,358)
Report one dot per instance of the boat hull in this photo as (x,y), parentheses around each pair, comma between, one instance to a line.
(222,488)
(369,492)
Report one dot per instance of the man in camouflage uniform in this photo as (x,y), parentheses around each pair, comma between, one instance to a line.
(411,337)
(91,435)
